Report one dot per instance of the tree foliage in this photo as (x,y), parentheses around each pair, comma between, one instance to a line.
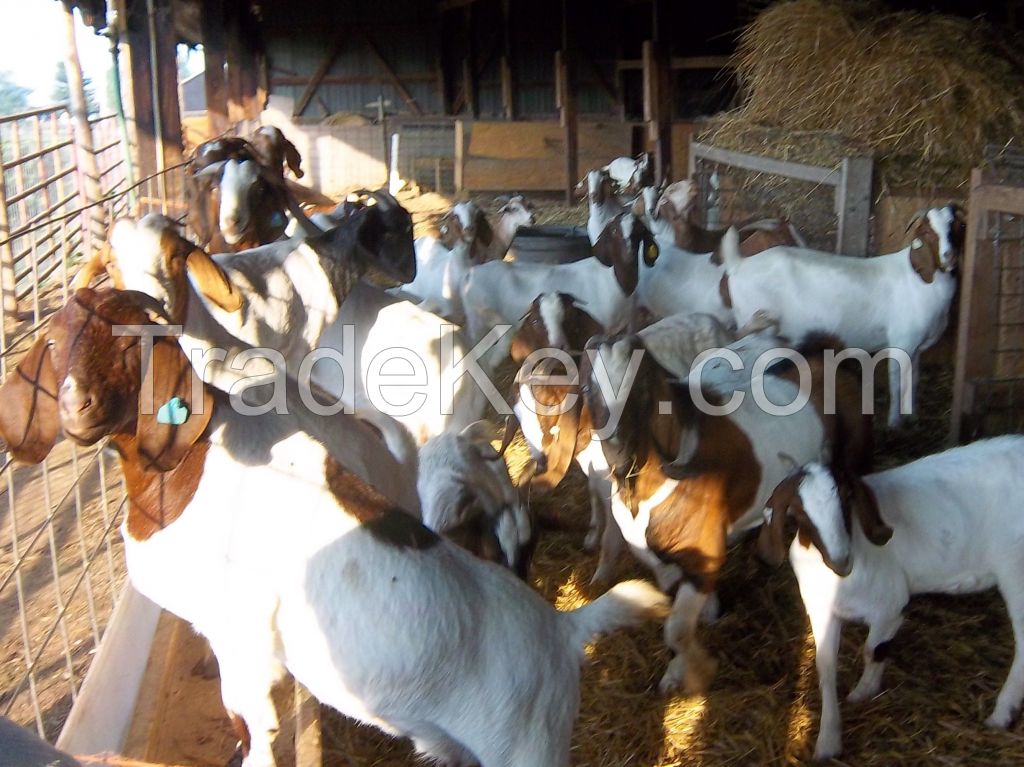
(13,97)
(62,93)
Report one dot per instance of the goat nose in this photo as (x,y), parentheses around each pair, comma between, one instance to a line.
(74,400)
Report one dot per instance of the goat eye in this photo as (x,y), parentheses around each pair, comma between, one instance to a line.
(51,344)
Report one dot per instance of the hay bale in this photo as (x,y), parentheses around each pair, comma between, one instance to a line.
(925,93)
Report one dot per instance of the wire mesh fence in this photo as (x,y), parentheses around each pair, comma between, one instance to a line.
(61,561)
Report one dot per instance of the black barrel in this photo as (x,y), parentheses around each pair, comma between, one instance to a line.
(550,244)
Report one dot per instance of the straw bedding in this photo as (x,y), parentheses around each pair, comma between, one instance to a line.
(949,661)
(924,93)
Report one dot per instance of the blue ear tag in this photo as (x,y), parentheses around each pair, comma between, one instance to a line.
(278,218)
(173,412)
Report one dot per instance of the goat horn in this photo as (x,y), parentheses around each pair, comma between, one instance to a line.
(384,199)
(511,427)
(213,169)
(310,229)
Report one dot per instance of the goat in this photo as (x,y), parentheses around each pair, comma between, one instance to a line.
(671,211)
(554,417)
(945,523)
(505,290)
(602,203)
(375,614)
(465,239)
(284,296)
(900,300)
(686,480)
(630,174)
(467,496)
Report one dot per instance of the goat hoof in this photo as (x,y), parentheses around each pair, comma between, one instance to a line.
(669,685)
(827,748)
(862,694)
(591,542)
(699,676)
(1001,720)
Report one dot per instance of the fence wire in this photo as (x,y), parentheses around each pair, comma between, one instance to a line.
(61,559)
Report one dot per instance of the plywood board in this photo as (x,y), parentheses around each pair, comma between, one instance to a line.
(530,156)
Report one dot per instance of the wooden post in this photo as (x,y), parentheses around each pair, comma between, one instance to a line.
(85,155)
(460,155)
(469,81)
(213,52)
(566,96)
(977,315)
(854,206)
(156,152)
(508,97)
(657,76)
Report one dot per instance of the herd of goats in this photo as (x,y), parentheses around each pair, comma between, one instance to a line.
(380,553)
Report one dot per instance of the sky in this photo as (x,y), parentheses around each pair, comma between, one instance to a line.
(31,48)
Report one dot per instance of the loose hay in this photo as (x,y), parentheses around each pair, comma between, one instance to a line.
(925,93)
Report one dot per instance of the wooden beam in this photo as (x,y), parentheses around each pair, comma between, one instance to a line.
(213,52)
(566,97)
(318,76)
(279,80)
(508,98)
(658,106)
(392,76)
(470,94)
(680,62)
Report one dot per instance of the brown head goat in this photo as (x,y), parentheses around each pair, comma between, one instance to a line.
(693,467)
(374,613)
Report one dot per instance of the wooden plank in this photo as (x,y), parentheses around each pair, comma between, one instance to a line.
(142,107)
(418,77)
(392,76)
(854,206)
(658,105)
(460,155)
(470,84)
(976,316)
(798,171)
(318,76)
(677,62)
(508,90)
(600,79)
(102,714)
(569,120)
(1005,199)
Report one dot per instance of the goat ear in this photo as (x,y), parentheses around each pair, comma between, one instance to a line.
(180,409)
(864,505)
(609,243)
(29,419)
(293,158)
(484,233)
(91,269)
(771,543)
(212,281)
(923,260)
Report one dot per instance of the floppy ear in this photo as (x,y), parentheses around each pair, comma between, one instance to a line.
(863,504)
(179,412)
(771,543)
(608,244)
(293,158)
(29,419)
(923,262)
(212,281)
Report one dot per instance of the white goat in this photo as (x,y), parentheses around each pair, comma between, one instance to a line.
(374,613)
(466,240)
(946,523)
(683,282)
(603,284)
(466,495)
(897,301)
(631,174)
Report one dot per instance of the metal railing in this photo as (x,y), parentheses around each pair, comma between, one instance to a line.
(61,559)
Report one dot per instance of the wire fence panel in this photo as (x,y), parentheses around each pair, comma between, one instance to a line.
(61,558)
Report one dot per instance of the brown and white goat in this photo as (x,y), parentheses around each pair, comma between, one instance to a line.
(686,480)
(377,615)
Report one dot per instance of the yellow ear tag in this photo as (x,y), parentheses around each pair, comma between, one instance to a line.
(652,252)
